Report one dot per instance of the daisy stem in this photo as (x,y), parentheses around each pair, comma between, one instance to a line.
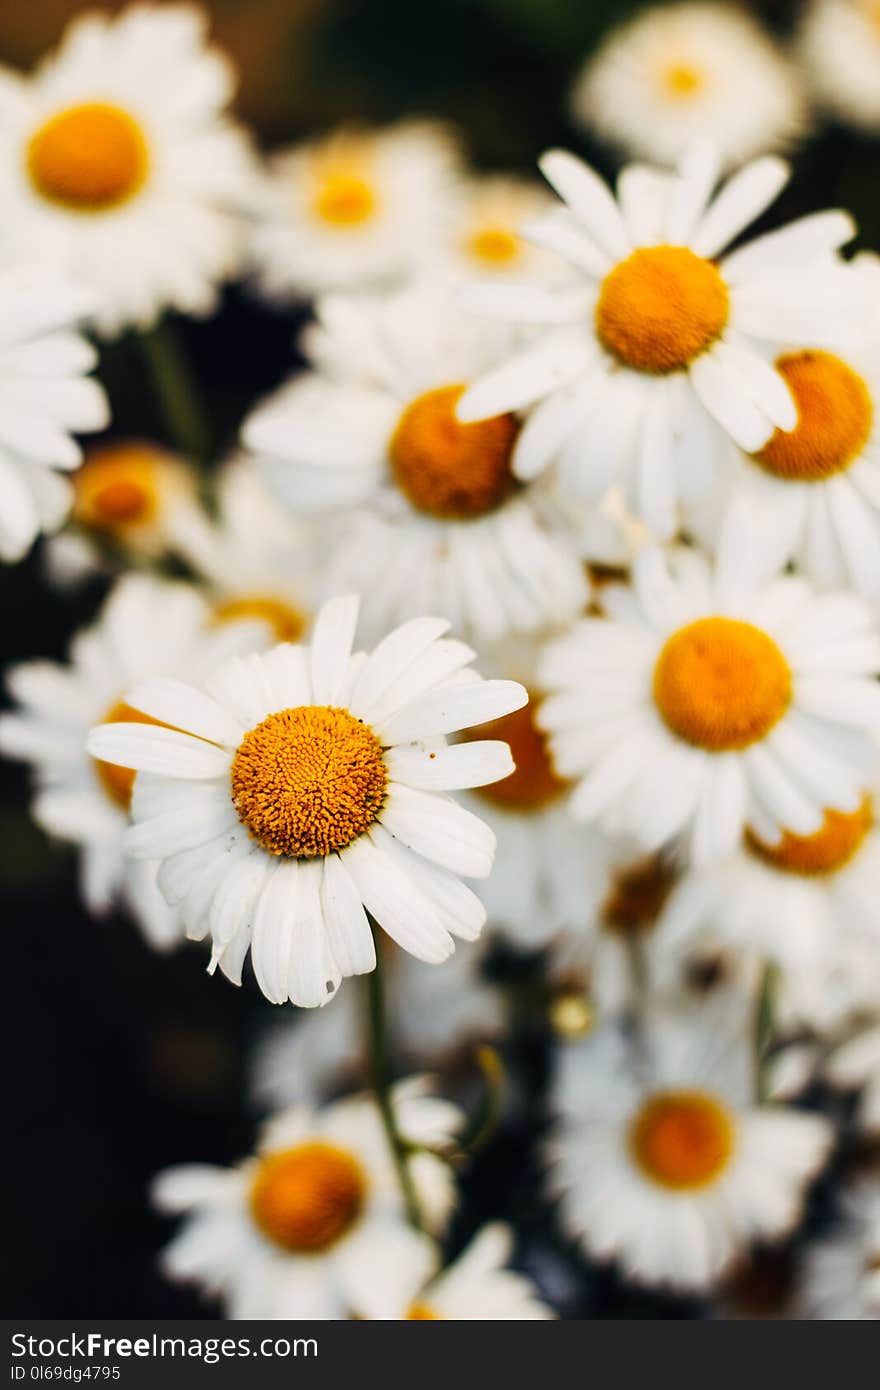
(176,391)
(377,1042)
(764,1026)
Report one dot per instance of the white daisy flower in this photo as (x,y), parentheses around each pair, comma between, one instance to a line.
(134,494)
(129,183)
(308,1227)
(371,437)
(840,1280)
(476,1287)
(484,235)
(838,44)
(298,790)
(660,350)
(45,396)
(147,627)
(663,1161)
(677,73)
(354,209)
(706,701)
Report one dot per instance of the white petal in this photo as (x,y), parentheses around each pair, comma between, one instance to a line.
(331,642)
(589,198)
(440,829)
(183,707)
(149,748)
(313,976)
(449,769)
(456,707)
(348,930)
(391,658)
(393,899)
(741,200)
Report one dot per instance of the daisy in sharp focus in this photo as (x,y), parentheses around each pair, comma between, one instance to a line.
(660,350)
(420,513)
(663,1160)
(45,396)
(677,73)
(119,165)
(840,1278)
(315,1221)
(838,43)
(707,701)
(298,790)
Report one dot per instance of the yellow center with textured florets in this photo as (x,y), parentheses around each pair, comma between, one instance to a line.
(285,620)
(835,417)
(661,308)
(721,684)
(534,782)
(89,158)
(118,488)
(118,782)
(682,1139)
(449,470)
(308,781)
(307,1198)
(836,842)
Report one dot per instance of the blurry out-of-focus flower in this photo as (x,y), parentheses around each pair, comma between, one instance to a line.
(421,513)
(854,1066)
(839,48)
(678,73)
(840,1280)
(133,493)
(708,700)
(147,627)
(310,1226)
(477,1286)
(298,790)
(45,395)
(664,1161)
(485,236)
(354,210)
(832,994)
(658,350)
(118,164)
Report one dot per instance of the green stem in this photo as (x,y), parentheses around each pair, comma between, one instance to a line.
(764,1013)
(377,1043)
(176,391)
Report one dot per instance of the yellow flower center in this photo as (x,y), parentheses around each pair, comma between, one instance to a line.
(307,1198)
(450,470)
(835,417)
(834,844)
(308,781)
(533,783)
(660,308)
(682,1139)
(682,80)
(721,684)
(344,199)
(494,246)
(89,158)
(117,488)
(570,1014)
(422,1312)
(118,782)
(285,621)
(637,896)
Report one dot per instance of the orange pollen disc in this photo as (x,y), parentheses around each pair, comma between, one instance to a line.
(533,783)
(450,470)
(835,417)
(421,1312)
(285,621)
(89,158)
(721,684)
(682,1139)
(305,1199)
(660,308)
(117,488)
(682,80)
(637,896)
(308,781)
(834,844)
(118,782)
(344,199)
(494,245)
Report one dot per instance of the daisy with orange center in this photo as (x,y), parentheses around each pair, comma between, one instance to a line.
(133,494)
(708,701)
(655,351)
(662,1158)
(484,235)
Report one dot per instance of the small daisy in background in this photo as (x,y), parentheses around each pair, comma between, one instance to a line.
(485,232)
(313,1223)
(840,1278)
(119,165)
(131,494)
(838,44)
(677,73)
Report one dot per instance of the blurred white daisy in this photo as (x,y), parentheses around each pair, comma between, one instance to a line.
(484,235)
(133,493)
(662,1159)
(118,164)
(659,350)
(147,627)
(354,209)
(838,43)
(309,1225)
(840,1278)
(45,396)
(298,790)
(677,73)
(427,514)
(831,994)
(706,701)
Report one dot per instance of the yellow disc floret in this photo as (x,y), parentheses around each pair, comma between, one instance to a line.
(835,417)
(89,158)
(494,245)
(682,80)
(344,200)
(833,845)
(682,1139)
(661,308)
(534,782)
(118,487)
(307,781)
(307,1198)
(447,469)
(721,684)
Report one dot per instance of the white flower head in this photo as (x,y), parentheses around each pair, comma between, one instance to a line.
(838,44)
(485,233)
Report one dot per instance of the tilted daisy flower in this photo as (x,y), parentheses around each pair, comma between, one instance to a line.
(370,439)
(660,350)
(663,1160)
(838,43)
(146,627)
(298,790)
(840,1278)
(681,72)
(131,184)
(476,1287)
(315,1220)
(710,700)
(45,396)
(354,209)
